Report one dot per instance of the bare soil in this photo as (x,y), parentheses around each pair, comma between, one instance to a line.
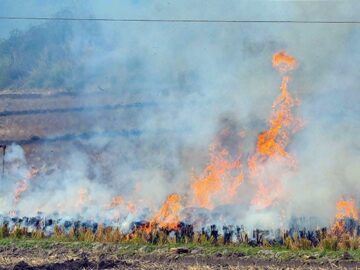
(103,256)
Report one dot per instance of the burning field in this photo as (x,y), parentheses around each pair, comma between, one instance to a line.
(239,185)
(237,203)
(232,147)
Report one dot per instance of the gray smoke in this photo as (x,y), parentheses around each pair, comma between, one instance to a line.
(202,78)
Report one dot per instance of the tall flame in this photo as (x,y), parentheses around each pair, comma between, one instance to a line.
(221,180)
(218,183)
(272,143)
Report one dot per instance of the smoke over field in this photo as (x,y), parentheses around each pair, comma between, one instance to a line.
(251,124)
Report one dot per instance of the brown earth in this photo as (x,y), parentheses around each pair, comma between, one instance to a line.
(44,114)
(23,116)
(103,256)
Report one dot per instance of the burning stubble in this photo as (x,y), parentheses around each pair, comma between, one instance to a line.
(254,183)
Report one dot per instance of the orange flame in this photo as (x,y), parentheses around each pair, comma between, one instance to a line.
(283,62)
(23,184)
(274,140)
(345,209)
(83,198)
(272,143)
(224,174)
(233,188)
(116,201)
(131,207)
(169,214)
(217,178)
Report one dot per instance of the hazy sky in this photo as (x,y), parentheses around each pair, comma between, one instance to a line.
(184,9)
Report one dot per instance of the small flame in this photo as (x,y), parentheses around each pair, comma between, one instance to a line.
(345,209)
(23,184)
(283,62)
(116,201)
(83,198)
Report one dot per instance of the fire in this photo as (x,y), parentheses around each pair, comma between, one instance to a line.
(169,214)
(345,209)
(218,182)
(235,185)
(23,184)
(267,193)
(272,143)
(217,178)
(131,207)
(221,180)
(283,62)
(83,198)
(274,140)
(13,213)
(116,201)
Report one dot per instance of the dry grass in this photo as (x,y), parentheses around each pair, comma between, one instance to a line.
(328,242)
(297,243)
(348,242)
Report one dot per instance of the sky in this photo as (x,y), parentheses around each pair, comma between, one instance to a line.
(187,9)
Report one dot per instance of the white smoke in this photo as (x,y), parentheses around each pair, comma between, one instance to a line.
(199,75)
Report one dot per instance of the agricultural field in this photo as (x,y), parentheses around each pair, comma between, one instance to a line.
(110,249)
(51,254)
(179,134)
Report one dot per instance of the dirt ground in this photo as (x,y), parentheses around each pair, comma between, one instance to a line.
(101,256)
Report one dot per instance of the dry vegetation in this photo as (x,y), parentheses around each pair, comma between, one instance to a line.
(328,241)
